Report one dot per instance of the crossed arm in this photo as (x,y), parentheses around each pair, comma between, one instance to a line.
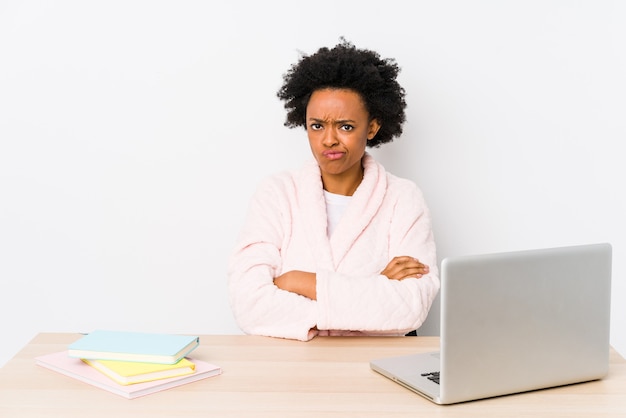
(304,283)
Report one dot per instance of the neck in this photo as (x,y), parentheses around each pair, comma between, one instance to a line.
(344,183)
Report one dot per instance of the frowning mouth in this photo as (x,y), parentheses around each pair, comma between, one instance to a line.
(333,155)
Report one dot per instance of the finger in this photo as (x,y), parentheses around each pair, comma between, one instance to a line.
(413,264)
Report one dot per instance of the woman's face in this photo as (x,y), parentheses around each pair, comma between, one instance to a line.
(338,127)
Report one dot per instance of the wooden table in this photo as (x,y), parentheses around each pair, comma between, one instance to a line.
(268,377)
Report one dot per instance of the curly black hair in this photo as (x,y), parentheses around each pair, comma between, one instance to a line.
(346,67)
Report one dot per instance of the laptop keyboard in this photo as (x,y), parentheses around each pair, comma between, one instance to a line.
(432,376)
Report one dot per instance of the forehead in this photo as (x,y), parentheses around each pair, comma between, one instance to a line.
(336,102)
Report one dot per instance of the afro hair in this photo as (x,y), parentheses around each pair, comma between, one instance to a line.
(346,67)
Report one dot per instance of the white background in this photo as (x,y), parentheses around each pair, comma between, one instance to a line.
(133,134)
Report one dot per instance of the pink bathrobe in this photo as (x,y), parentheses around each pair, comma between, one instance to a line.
(286,230)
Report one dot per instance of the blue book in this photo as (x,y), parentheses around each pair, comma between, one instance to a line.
(133,346)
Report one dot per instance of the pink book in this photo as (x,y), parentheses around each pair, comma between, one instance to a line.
(73,367)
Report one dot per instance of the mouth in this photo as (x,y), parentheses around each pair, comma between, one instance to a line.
(333,155)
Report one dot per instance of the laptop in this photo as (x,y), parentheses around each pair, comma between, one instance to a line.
(514,322)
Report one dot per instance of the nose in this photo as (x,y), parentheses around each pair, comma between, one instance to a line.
(329,138)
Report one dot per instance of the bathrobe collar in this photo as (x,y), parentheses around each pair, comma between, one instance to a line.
(365,202)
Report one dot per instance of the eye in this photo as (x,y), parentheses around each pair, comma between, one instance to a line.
(347,127)
(315,126)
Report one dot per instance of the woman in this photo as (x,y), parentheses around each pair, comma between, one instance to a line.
(340,247)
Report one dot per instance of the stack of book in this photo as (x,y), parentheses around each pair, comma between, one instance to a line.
(131,364)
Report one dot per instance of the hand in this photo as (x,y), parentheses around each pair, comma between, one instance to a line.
(300,282)
(400,268)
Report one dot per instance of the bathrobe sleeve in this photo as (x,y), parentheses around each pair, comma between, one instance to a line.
(259,307)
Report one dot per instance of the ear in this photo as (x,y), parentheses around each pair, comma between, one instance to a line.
(373,128)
